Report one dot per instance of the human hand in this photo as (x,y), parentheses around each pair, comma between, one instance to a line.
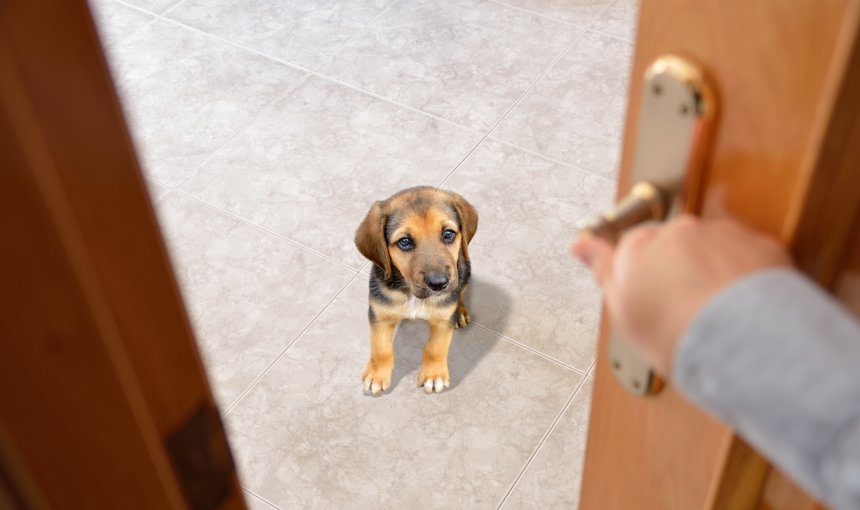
(658,277)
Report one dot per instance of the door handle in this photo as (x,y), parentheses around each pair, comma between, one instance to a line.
(646,202)
(677,113)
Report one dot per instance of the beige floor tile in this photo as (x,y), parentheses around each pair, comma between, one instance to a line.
(553,478)
(116,21)
(303,32)
(526,284)
(464,60)
(248,293)
(307,437)
(577,12)
(310,167)
(576,112)
(186,93)
(619,20)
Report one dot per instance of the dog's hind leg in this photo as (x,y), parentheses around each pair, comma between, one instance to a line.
(463,318)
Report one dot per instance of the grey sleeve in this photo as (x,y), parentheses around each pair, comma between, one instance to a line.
(779,360)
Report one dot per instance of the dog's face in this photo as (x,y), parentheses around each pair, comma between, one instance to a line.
(424,244)
(419,233)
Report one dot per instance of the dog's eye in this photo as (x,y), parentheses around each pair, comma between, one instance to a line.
(448,235)
(405,244)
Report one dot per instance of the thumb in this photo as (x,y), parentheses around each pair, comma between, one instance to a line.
(597,254)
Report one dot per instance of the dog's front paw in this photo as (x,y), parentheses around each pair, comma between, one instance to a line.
(434,377)
(463,317)
(376,378)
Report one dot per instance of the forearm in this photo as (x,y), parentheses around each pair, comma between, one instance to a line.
(779,360)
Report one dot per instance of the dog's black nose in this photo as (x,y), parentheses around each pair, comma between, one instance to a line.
(436,281)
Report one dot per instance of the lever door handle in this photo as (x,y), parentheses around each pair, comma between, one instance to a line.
(676,116)
(645,202)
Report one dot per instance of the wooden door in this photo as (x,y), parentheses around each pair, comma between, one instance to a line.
(784,160)
(103,398)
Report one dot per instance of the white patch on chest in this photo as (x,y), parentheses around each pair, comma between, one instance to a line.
(414,309)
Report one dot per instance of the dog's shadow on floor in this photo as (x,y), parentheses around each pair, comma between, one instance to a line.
(489,306)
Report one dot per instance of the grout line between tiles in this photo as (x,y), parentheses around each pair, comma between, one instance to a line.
(143,9)
(155,200)
(542,15)
(128,36)
(612,36)
(161,195)
(318,74)
(394,102)
(136,8)
(357,34)
(485,136)
(550,158)
(284,351)
(308,73)
(532,350)
(311,70)
(590,373)
(540,444)
(300,67)
(264,229)
(597,30)
(266,108)
(519,100)
(458,165)
(240,129)
(146,25)
(547,70)
(261,498)
(172,7)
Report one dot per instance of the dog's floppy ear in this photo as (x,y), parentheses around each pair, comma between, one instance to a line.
(370,237)
(468,221)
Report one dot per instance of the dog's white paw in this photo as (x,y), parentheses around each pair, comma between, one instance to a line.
(373,387)
(434,378)
(435,385)
(376,379)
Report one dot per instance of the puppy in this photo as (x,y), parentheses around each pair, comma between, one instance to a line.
(418,242)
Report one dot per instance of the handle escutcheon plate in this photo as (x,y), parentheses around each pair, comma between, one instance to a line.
(676,118)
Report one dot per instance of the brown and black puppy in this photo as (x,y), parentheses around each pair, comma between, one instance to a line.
(418,242)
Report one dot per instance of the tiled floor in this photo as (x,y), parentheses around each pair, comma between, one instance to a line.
(267,128)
